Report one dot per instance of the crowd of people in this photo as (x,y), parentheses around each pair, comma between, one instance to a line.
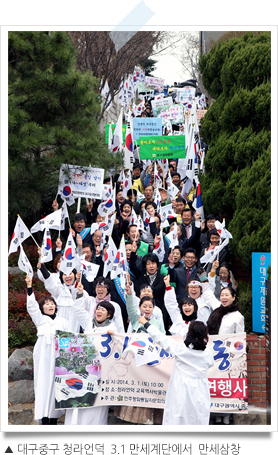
(171,295)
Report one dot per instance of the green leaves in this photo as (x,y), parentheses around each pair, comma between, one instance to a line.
(53,110)
(236,183)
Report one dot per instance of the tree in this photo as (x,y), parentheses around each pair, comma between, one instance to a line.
(189,53)
(52,119)
(97,53)
(236,184)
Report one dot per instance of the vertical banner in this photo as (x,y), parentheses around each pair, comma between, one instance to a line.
(260,264)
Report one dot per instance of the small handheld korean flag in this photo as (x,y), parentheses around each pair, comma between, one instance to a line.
(21,232)
(223,232)
(24,264)
(107,207)
(143,349)
(52,221)
(167,213)
(64,215)
(46,249)
(173,237)
(159,249)
(127,183)
(211,254)
(109,256)
(120,264)
(89,270)
(69,261)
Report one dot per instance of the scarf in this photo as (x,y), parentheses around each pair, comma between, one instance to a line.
(215,319)
(189,318)
(101,324)
(107,298)
(151,277)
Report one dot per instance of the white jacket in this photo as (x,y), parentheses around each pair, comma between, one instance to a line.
(44,359)
(232,322)
(188,397)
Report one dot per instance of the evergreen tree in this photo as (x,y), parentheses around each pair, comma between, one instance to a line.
(52,120)
(236,183)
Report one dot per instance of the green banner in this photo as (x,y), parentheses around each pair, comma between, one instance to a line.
(113,129)
(160,147)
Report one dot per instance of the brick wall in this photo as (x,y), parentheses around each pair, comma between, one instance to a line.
(256,370)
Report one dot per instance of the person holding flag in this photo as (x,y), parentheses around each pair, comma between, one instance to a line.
(44,316)
(192,360)
(102,322)
(65,291)
(134,414)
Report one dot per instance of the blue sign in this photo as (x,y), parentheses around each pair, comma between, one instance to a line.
(146,126)
(260,264)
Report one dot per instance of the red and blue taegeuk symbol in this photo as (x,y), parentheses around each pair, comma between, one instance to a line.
(68,254)
(48,245)
(74,383)
(66,190)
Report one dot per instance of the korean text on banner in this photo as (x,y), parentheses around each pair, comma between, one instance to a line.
(260,264)
(81,181)
(146,127)
(160,147)
(96,369)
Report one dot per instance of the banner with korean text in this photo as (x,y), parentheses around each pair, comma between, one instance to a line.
(260,264)
(148,126)
(79,181)
(95,370)
(172,113)
(161,147)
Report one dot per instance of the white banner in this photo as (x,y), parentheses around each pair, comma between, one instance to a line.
(79,181)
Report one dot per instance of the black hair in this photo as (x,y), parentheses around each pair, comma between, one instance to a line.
(57,260)
(131,191)
(181,199)
(214,231)
(145,299)
(231,289)
(197,336)
(142,202)
(87,245)
(74,271)
(79,217)
(145,286)
(149,184)
(129,242)
(150,257)
(177,247)
(190,250)
(105,281)
(152,203)
(186,210)
(108,306)
(126,202)
(43,300)
(192,302)
(176,173)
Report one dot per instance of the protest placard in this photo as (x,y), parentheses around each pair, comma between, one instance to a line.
(80,181)
(94,369)
(172,113)
(146,126)
(160,147)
